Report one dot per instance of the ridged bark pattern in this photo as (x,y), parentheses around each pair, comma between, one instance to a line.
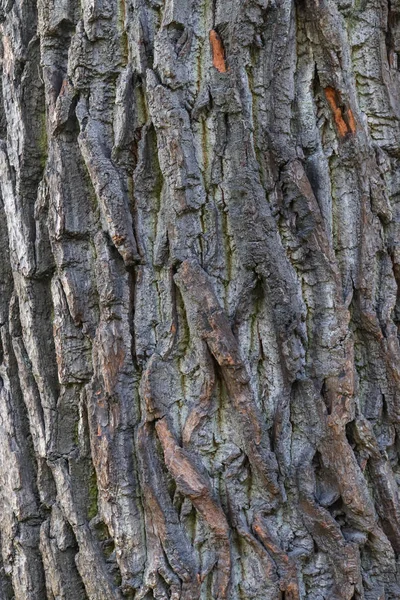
(199,299)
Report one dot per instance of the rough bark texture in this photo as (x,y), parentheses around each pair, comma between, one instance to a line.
(199,299)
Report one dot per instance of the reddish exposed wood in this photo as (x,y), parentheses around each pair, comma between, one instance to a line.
(345,123)
(217,51)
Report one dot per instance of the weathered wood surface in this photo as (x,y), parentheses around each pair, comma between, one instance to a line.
(199,299)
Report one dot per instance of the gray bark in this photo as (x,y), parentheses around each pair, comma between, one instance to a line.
(199,299)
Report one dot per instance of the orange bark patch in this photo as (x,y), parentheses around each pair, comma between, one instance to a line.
(345,122)
(217,51)
(118,239)
(330,94)
(351,120)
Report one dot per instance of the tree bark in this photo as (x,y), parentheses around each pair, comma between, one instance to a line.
(199,299)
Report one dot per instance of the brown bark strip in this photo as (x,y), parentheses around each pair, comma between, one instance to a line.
(197,488)
(163,515)
(190,481)
(213,326)
(286,566)
(238,518)
(259,548)
(338,455)
(326,533)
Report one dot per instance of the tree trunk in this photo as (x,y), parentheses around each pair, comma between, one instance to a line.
(199,299)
